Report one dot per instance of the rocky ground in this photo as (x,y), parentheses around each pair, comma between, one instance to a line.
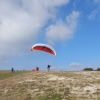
(79,85)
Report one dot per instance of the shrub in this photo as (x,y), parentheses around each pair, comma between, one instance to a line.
(88,69)
(98,69)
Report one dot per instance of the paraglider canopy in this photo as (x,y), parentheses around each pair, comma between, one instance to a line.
(44,47)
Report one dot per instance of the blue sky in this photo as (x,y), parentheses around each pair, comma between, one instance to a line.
(71,27)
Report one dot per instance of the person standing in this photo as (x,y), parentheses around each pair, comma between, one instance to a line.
(37,68)
(12,69)
(48,67)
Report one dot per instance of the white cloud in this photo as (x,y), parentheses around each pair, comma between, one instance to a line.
(4,60)
(73,64)
(96,1)
(93,14)
(61,30)
(21,21)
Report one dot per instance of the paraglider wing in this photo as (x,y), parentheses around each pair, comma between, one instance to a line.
(44,47)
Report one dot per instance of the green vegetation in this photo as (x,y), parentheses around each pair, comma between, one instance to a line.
(7,74)
(98,98)
(88,69)
(91,69)
(51,96)
(98,69)
(25,85)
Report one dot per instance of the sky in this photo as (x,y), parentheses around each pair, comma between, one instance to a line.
(71,27)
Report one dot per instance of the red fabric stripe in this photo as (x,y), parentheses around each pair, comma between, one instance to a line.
(43,48)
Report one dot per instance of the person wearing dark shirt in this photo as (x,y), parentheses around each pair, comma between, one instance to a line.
(48,67)
(37,68)
(12,70)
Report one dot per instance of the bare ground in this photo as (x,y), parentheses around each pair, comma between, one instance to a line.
(80,85)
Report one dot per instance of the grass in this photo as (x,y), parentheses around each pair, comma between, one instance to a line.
(98,98)
(51,96)
(44,89)
(8,74)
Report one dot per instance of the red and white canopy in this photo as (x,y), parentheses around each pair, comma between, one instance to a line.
(44,47)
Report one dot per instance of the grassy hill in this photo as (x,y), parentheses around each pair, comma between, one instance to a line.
(28,85)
